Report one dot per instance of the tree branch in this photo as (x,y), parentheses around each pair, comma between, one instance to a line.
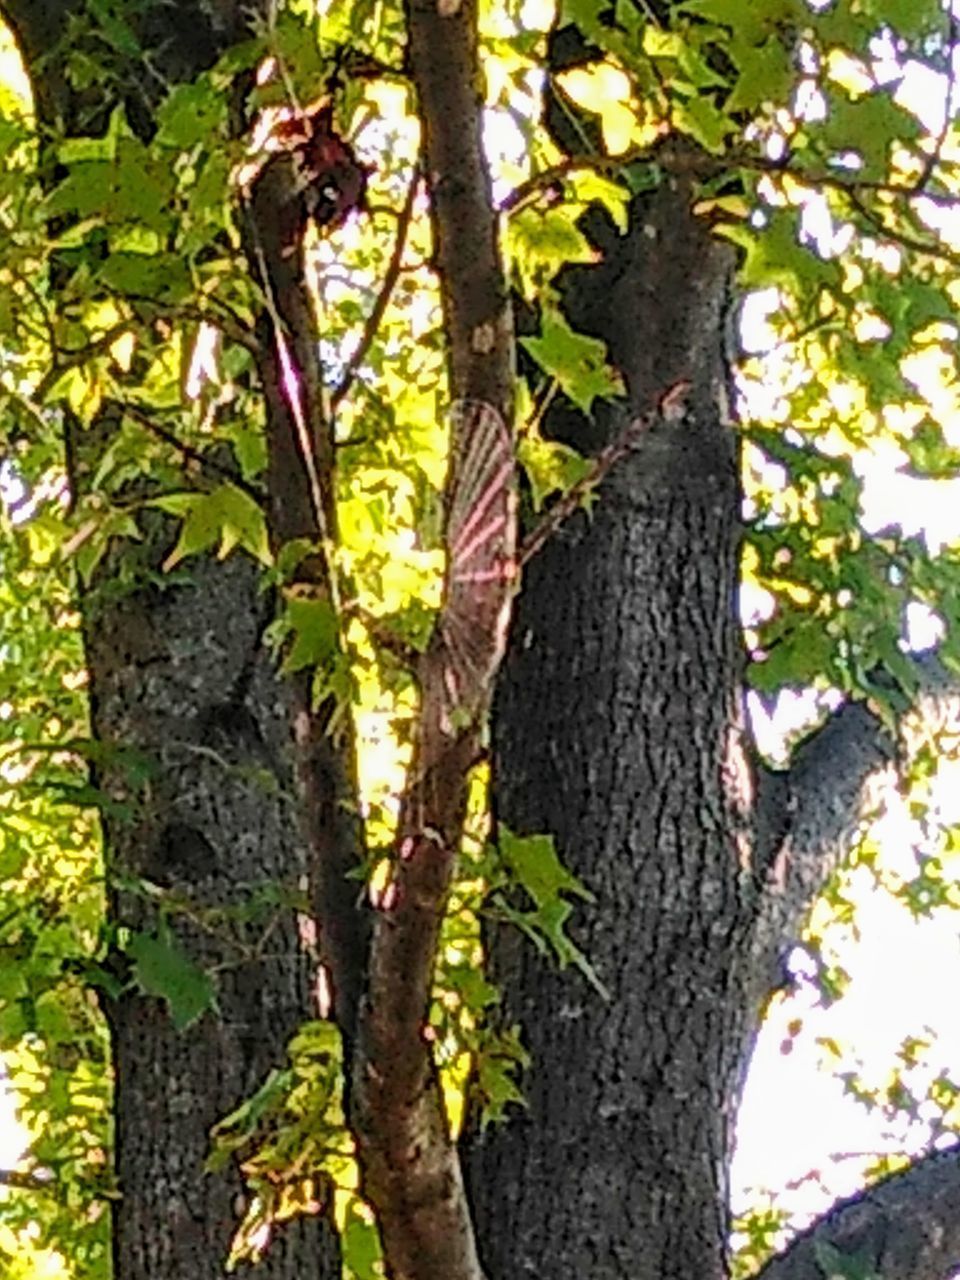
(301,487)
(383,297)
(670,403)
(410,1164)
(28,1181)
(906,1227)
(203,460)
(808,814)
(700,164)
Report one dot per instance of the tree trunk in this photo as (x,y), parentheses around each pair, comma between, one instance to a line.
(179,675)
(617,729)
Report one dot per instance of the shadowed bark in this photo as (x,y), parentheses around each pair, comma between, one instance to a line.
(179,674)
(617,730)
(907,1227)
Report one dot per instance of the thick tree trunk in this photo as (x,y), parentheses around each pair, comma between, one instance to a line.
(617,730)
(178,673)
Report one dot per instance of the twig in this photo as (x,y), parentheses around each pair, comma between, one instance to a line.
(27,1181)
(387,640)
(41,306)
(668,407)
(903,238)
(383,297)
(79,355)
(548,178)
(202,459)
(930,163)
(230,322)
(702,165)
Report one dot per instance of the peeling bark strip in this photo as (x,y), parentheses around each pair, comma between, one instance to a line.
(410,1166)
(481,542)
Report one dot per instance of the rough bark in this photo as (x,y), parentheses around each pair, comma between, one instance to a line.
(806,816)
(477,318)
(617,730)
(907,1227)
(178,673)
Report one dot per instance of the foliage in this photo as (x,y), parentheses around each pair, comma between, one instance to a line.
(810,157)
(289,1137)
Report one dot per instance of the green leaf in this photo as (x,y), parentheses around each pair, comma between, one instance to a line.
(13,859)
(774,254)
(540,242)
(869,126)
(235,1130)
(250,449)
(114,29)
(796,658)
(163,968)
(589,186)
(834,1263)
(227,515)
(500,1060)
(85,191)
(766,76)
(52,1019)
(192,113)
(360,1242)
(536,868)
(704,122)
(314,625)
(743,16)
(910,18)
(576,361)
(161,277)
(549,466)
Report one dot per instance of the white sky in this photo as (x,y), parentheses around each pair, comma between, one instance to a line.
(800,1135)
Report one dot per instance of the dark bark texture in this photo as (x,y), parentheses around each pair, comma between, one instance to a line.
(617,730)
(907,1227)
(178,673)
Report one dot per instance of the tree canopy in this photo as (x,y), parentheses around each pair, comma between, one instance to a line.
(301,309)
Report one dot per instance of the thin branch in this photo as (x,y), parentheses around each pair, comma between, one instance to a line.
(930,163)
(383,297)
(547,178)
(408,1158)
(807,814)
(64,361)
(701,165)
(669,405)
(229,321)
(203,460)
(41,306)
(942,252)
(27,1181)
(385,638)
